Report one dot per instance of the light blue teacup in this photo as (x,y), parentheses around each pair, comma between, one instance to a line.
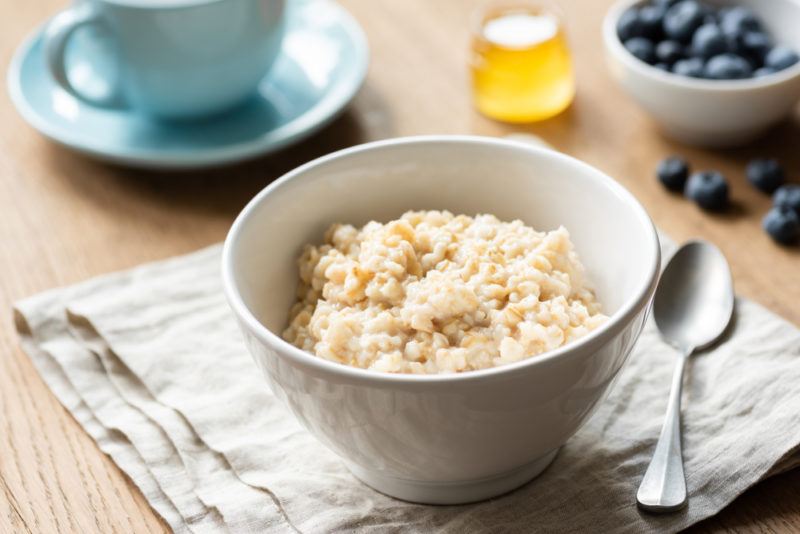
(176,59)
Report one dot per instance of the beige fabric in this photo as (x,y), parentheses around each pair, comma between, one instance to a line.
(150,363)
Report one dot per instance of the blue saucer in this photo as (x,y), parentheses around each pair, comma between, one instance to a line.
(323,62)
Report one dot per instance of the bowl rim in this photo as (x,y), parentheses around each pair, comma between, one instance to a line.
(590,342)
(615,46)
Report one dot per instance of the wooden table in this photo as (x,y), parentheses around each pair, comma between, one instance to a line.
(64,218)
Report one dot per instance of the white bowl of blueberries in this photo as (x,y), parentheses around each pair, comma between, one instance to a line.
(711,74)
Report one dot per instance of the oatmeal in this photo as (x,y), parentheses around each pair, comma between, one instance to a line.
(436,293)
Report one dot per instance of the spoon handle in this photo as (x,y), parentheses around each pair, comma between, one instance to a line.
(663,488)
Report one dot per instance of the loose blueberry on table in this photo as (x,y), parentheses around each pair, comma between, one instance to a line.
(788,197)
(765,174)
(782,224)
(693,39)
(708,189)
(673,172)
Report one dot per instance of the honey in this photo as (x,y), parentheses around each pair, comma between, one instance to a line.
(521,64)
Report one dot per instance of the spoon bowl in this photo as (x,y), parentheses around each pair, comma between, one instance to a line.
(694,301)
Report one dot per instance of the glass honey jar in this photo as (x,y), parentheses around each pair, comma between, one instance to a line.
(521,64)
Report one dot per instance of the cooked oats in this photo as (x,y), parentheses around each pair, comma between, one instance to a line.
(436,293)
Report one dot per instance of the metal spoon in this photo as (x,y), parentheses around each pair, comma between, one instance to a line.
(692,307)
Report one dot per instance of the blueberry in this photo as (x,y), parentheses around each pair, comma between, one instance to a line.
(765,174)
(735,44)
(663,66)
(763,71)
(755,45)
(780,57)
(669,51)
(641,48)
(629,25)
(739,20)
(709,41)
(782,224)
(672,172)
(692,67)
(652,19)
(709,189)
(727,67)
(788,196)
(682,19)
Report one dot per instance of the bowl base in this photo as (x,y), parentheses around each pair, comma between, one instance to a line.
(461,492)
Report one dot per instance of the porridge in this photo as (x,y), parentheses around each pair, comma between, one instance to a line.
(436,293)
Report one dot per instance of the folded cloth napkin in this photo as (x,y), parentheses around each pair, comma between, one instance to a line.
(150,362)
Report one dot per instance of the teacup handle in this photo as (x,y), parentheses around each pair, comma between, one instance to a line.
(59,31)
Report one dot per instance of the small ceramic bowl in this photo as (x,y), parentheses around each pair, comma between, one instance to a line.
(448,438)
(712,113)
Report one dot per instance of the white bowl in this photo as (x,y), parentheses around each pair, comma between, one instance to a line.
(457,437)
(712,113)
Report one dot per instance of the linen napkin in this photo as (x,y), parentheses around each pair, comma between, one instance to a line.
(150,362)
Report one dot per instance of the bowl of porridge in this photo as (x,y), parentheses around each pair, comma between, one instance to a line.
(443,312)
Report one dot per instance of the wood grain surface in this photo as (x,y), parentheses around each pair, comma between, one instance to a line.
(64,218)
